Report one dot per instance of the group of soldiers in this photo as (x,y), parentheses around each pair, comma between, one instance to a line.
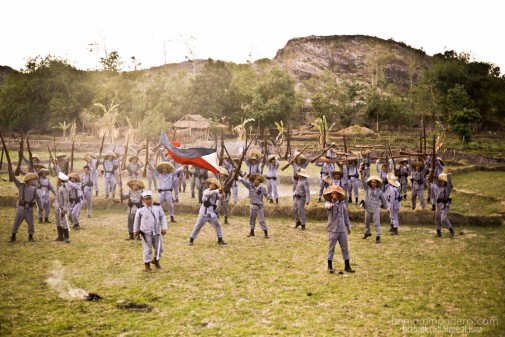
(341,177)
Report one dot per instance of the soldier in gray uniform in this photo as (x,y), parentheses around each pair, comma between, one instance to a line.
(176,182)
(402,173)
(207,212)
(326,169)
(443,199)
(109,182)
(27,197)
(87,185)
(61,163)
(256,194)
(418,175)
(374,200)
(439,168)
(365,165)
(92,164)
(383,172)
(165,173)
(151,176)
(394,201)
(45,187)
(75,197)
(300,163)
(301,197)
(340,177)
(253,161)
(224,202)
(134,198)
(353,179)
(134,167)
(338,225)
(151,224)
(272,167)
(62,206)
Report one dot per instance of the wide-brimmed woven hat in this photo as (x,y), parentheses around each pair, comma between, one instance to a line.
(442,177)
(337,170)
(61,156)
(110,154)
(30,176)
(223,171)
(303,173)
(213,181)
(334,188)
(137,182)
(271,157)
(393,180)
(42,171)
(166,165)
(302,158)
(73,175)
(253,176)
(132,158)
(254,154)
(374,177)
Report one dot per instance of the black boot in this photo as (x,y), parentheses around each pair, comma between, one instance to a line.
(298,224)
(429,199)
(276,200)
(156,263)
(439,234)
(60,234)
(433,207)
(147,267)
(266,234)
(66,235)
(356,201)
(76,226)
(251,233)
(271,201)
(191,240)
(30,238)
(130,236)
(350,199)
(220,241)
(40,220)
(366,235)
(319,199)
(348,267)
(451,231)
(378,239)
(303,227)
(330,267)
(13,237)
(391,229)
(47,220)
(172,218)
(226,220)
(394,231)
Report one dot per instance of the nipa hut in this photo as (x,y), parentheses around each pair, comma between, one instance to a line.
(195,127)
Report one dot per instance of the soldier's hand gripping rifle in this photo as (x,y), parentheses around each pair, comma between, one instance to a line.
(72,157)
(30,156)
(20,154)
(9,163)
(144,172)
(100,153)
(237,168)
(321,154)
(294,158)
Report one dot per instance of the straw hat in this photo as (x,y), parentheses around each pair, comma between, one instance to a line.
(132,158)
(302,157)
(374,177)
(337,170)
(75,176)
(137,182)
(90,154)
(334,188)
(35,156)
(166,165)
(38,166)
(213,181)
(253,176)
(302,173)
(61,156)
(110,154)
(328,180)
(271,157)
(30,176)
(223,171)
(254,154)
(404,160)
(418,163)
(393,180)
(43,170)
(86,158)
(442,177)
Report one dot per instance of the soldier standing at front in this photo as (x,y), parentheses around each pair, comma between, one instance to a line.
(374,199)
(256,194)
(109,181)
(272,166)
(151,224)
(27,197)
(165,173)
(301,197)
(338,225)
(443,199)
(62,206)
(418,176)
(45,187)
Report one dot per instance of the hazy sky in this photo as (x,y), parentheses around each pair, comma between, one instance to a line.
(155,32)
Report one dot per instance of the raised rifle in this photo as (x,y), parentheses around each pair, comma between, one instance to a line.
(30,156)
(100,153)
(322,153)
(123,162)
(294,158)
(72,158)
(433,162)
(144,172)
(20,154)
(221,155)
(9,163)
(237,168)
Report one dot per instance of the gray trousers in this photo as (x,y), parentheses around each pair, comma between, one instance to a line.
(224,205)
(353,186)
(46,206)
(167,196)
(202,220)
(393,215)
(75,212)
(150,243)
(260,214)
(176,183)
(341,238)
(272,188)
(87,198)
(23,213)
(442,216)
(376,217)
(415,193)
(151,179)
(109,185)
(299,210)
(61,220)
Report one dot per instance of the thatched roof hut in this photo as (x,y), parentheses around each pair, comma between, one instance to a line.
(195,126)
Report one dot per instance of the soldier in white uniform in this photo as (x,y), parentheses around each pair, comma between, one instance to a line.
(45,187)
(27,197)
(207,212)
(151,224)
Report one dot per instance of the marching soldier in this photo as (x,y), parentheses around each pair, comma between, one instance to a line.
(207,212)
(165,173)
(150,222)
(374,200)
(134,167)
(256,194)
(44,188)
(272,167)
(134,198)
(27,197)
(301,197)
(439,168)
(443,199)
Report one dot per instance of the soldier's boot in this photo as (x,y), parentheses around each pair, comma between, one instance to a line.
(276,200)
(319,199)
(439,233)
(303,227)
(394,231)
(451,231)
(66,235)
(378,239)
(226,220)
(47,220)
(356,200)
(191,241)
(172,219)
(298,224)
(147,268)
(251,233)
(13,237)
(157,263)
(30,238)
(130,237)
(60,234)
(40,220)
(404,197)
(271,201)
(347,267)
(433,207)
(330,267)
(220,241)
(391,228)
(366,235)
(76,226)
(350,200)
(429,199)
(266,234)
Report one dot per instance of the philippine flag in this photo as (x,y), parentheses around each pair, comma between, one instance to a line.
(202,157)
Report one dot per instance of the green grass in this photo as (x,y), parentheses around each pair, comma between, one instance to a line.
(252,286)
